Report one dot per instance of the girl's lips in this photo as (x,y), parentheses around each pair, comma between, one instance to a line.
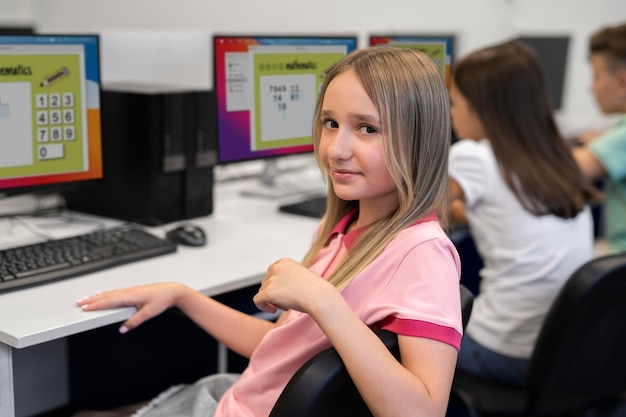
(342,173)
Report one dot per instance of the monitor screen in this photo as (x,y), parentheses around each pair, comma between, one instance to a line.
(552,55)
(49,111)
(439,47)
(267,89)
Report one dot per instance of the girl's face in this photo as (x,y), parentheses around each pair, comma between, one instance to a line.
(609,88)
(466,122)
(351,147)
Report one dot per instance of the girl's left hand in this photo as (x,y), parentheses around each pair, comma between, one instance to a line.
(289,285)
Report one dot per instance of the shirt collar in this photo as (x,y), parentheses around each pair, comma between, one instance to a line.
(351,237)
(342,226)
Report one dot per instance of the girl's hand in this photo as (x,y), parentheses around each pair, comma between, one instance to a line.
(150,301)
(289,285)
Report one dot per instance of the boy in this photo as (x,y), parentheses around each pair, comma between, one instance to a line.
(603,158)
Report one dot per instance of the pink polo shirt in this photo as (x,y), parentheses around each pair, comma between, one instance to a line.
(411,288)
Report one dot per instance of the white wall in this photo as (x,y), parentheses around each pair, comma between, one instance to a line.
(164,39)
(15,12)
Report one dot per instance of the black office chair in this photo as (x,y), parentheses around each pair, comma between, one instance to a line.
(322,387)
(579,360)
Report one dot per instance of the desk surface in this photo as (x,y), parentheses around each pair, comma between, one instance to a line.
(246,234)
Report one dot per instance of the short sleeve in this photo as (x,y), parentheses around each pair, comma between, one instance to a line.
(610,149)
(472,166)
(424,294)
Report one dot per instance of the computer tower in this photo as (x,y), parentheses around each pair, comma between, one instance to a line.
(153,137)
(201,155)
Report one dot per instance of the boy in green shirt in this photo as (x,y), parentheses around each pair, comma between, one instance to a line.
(605,157)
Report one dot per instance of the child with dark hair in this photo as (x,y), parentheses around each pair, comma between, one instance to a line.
(604,158)
(525,199)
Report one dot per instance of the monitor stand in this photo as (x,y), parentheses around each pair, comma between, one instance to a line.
(31,204)
(270,187)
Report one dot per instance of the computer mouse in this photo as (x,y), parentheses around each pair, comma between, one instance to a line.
(188,235)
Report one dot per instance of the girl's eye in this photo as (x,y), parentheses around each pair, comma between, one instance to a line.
(368,129)
(330,124)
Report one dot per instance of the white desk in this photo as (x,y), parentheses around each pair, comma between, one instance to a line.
(245,236)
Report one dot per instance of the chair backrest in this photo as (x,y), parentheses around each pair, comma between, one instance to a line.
(467,302)
(322,387)
(581,347)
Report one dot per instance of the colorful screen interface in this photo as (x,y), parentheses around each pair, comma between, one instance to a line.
(49,110)
(267,88)
(439,48)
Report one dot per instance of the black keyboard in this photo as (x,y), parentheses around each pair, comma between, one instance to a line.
(311,207)
(58,259)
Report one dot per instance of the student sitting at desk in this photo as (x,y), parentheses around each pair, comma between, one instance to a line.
(605,156)
(525,200)
(380,260)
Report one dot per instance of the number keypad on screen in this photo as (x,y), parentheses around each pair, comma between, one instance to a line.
(56,120)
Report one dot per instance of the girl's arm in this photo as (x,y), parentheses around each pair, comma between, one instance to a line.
(455,192)
(456,204)
(240,332)
(420,385)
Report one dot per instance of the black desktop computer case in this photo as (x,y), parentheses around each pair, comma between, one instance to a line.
(159,150)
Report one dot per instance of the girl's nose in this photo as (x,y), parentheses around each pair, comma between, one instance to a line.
(341,146)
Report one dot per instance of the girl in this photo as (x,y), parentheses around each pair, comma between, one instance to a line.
(525,201)
(380,259)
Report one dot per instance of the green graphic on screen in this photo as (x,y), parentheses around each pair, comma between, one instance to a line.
(436,51)
(286,89)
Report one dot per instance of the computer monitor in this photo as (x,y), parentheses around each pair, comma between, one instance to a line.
(267,89)
(552,53)
(50,134)
(439,47)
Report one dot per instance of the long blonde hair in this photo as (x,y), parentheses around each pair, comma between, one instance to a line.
(411,97)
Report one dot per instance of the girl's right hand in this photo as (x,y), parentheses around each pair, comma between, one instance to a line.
(150,301)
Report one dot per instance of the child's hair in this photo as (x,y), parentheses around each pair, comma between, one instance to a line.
(411,97)
(505,86)
(610,41)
